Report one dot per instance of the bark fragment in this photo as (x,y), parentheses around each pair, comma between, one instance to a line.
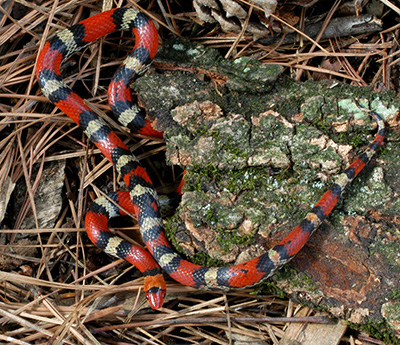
(259,154)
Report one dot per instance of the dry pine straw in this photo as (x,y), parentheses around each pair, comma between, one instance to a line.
(80,305)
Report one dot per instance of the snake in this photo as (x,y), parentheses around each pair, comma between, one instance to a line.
(141,199)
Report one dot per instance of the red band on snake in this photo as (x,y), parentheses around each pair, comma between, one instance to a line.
(142,198)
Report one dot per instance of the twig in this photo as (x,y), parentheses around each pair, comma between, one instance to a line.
(338,27)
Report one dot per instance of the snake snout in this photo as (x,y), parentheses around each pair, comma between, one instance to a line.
(155,298)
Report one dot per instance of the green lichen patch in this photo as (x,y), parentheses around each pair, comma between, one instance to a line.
(206,211)
(313,154)
(390,155)
(373,195)
(243,74)
(312,109)
(243,204)
(388,252)
(228,142)
(391,312)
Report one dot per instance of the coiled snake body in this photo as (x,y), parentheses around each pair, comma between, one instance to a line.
(142,198)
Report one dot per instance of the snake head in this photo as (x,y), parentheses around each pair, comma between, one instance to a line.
(155,290)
